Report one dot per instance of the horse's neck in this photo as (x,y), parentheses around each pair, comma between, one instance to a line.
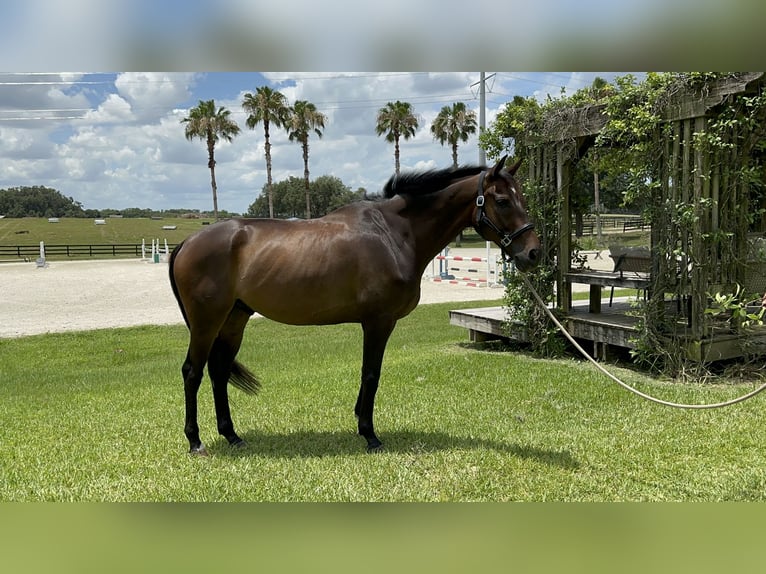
(434,228)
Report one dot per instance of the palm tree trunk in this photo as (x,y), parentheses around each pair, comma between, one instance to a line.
(306,177)
(396,155)
(267,147)
(211,165)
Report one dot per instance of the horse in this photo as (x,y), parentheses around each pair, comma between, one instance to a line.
(362,263)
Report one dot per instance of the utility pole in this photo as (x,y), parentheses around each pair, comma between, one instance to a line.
(482,83)
(482,114)
(482,127)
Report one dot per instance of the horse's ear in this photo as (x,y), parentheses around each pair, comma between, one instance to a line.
(499,166)
(514,168)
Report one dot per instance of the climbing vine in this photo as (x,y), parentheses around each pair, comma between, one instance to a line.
(542,335)
(700,181)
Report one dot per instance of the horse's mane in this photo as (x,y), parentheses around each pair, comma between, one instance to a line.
(429,181)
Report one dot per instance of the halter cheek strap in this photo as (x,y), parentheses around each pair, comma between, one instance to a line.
(481,219)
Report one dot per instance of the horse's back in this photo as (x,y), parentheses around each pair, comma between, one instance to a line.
(339,268)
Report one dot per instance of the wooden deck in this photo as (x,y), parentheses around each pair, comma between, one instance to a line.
(486,324)
(610,327)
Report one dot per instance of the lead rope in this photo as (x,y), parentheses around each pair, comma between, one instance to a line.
(623,384)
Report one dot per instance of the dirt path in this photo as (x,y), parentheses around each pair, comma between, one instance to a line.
(81,295)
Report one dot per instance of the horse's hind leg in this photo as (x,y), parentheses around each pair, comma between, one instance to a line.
(220,363)
(192,370)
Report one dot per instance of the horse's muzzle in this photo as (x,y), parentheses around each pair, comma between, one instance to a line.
(527,260)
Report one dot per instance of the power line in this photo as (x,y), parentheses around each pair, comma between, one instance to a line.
(36,118)
(44,73)
(348,76)
(170,79)
(329,104)
(58,83)
(48,110)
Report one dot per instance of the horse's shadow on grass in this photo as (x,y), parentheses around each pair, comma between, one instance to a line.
(311,444)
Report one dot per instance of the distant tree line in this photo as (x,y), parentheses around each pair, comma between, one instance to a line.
(328,193)
(289,197)
(41,201)
(38,201)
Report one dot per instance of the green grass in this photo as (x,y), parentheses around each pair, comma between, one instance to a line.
(98,416)
(470,239)
(77,231)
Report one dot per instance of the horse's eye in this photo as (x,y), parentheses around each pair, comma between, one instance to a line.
(502,201)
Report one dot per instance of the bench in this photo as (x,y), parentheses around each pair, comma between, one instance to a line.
(632,266)
(636,260)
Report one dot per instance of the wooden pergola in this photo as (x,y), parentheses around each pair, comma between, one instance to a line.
(715,252)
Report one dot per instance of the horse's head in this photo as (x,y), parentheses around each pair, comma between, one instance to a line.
(501,216)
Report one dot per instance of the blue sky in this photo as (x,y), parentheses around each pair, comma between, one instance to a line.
(115,140)
(45,35)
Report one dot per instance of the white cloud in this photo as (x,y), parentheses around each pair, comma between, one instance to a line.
(113,109)
(151,94)
(129,149)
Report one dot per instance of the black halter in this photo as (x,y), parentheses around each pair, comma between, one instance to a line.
(481,219)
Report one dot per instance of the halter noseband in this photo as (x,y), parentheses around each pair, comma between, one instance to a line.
(481,219)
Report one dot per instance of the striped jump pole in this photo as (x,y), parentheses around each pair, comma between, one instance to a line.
(446,276)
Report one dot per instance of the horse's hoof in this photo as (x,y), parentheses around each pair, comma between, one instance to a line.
(374,448)
(238,444)
(198,450)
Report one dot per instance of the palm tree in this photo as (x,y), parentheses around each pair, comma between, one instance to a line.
(266,106)
(454,124)
(303,119)
(396,120)
(208,124)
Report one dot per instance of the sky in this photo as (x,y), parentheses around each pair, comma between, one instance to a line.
(115,140)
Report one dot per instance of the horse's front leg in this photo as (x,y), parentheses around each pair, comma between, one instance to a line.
(376,334)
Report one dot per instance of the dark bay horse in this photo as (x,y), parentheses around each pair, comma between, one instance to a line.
(362,263)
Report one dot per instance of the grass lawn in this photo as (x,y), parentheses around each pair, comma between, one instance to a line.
(98,416)
(78,231)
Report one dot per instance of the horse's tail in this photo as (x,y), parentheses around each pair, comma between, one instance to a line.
(243,379)
(173,285)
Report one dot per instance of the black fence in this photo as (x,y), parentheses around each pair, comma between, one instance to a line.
(32,252)
(613,224)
